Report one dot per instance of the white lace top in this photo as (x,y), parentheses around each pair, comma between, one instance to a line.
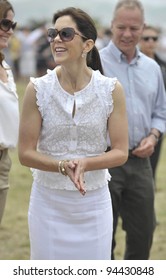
(66,137)
(9,111)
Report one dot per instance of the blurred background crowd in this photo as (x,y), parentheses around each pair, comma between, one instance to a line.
(29,50)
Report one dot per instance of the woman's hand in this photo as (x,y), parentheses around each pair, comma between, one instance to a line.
(75,171)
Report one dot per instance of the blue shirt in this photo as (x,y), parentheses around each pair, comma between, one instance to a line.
(144,90)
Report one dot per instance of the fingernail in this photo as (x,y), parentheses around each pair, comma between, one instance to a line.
(83,192)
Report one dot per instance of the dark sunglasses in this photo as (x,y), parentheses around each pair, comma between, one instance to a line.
(66,34)
(147,38)
(6,24)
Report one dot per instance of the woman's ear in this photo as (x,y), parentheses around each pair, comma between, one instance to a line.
(88,45)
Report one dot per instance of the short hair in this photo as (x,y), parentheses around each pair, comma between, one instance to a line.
(130,4)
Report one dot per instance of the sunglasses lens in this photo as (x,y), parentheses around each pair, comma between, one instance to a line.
(67,34)
(155,39)
(6,24)
(51,33)
(150,38)
(14,25)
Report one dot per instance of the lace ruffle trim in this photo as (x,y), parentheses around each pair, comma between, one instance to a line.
(93,179)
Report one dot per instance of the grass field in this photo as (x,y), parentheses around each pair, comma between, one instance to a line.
(14,241)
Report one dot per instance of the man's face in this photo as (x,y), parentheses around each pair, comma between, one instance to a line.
(127,28)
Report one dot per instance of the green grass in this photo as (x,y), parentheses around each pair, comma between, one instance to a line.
(14,240)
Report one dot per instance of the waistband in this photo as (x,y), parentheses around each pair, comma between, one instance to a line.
(130,155)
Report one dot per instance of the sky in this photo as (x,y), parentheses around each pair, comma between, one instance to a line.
(27,10)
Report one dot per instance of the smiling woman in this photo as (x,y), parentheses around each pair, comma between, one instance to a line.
(66,117)
(9,115)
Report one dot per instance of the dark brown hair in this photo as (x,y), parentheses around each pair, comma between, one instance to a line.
(87,28)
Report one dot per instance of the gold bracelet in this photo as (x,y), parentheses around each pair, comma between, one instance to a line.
(59,164)
(61,167)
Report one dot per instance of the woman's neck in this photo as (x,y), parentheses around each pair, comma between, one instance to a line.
(74,80)
(3,75)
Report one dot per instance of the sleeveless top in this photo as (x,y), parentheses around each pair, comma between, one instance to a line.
(63,136)
(9,111)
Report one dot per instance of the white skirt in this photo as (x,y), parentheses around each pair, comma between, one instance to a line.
(64,225)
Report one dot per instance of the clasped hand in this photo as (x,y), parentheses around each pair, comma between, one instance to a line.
(75,171)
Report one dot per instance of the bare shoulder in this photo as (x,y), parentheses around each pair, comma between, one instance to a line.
(29,95)
(118,88)
(30,87)
(118,92)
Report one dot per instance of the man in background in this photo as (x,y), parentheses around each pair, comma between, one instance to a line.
(132,185)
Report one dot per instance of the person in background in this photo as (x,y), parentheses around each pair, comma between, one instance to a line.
(9,112)
(149,45)
(27,60)
(15,51)
(132,184)
(65,118)
(43,55)
(104,36)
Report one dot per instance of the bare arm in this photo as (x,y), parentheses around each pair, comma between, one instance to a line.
(29,131)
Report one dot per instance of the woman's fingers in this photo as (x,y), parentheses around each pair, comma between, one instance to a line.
(75,171)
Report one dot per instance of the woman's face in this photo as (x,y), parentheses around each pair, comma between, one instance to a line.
(5,35)
(67,52)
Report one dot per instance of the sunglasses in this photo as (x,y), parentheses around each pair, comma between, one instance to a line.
(66,34)
(6,24)
(147,38)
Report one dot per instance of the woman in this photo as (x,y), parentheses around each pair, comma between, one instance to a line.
(9,114)
(63,135)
